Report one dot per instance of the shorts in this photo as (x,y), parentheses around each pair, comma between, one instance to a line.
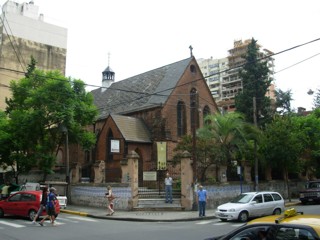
(39,213)
(51,211)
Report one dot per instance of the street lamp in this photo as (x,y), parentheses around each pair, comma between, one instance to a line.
(310,92)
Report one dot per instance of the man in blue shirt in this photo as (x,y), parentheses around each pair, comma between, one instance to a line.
(202,200)
(50,208)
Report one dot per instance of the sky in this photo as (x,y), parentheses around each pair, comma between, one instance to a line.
(135,36)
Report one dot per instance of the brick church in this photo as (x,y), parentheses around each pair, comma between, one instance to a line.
(147,113)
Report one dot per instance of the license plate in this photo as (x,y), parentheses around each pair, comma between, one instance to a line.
(222,215)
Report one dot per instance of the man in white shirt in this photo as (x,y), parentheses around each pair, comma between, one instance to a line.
(168,187)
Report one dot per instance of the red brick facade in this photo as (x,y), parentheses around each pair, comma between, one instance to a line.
(161,121)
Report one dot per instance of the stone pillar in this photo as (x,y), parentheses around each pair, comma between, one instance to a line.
(130,173)
(246,171)
(186,181)
(99,167)
(75,173)
(223,174)
(125,175)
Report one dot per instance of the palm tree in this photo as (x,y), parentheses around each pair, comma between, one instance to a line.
(229,134)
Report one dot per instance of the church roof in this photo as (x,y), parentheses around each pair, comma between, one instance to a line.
(143,91)
(132,129)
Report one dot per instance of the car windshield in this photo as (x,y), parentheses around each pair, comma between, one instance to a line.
(242,198)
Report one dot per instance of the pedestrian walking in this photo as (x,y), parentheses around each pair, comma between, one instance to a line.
(110,197)
(43,204)
(202,201)
(50,208)
(168,188)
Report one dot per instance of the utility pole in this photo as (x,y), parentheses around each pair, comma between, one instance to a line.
(194,146)
(256,169)
(67,157)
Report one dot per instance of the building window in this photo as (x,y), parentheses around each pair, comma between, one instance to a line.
(206,112)
(87,156)
(193,68)
(181,119)
(109,154)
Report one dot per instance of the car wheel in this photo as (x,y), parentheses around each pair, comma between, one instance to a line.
(223,220)
(1,213)
(32,214)
(243,216)
(304,202)
(277,211)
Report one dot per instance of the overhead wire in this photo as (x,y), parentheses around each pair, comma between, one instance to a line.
(159,92)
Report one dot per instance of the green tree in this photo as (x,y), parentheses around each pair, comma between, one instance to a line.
(309,127)
(282,146)
(41,104)
(203,152)
(5,139)
(229,135)
(283,101)
(316,100)
(256,81)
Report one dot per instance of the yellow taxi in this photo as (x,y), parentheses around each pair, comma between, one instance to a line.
(292,225)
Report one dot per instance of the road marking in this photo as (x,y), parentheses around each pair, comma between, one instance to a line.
(237,225)
(220,223)
(12,224)
(83,219)
(204,222)
(68,220)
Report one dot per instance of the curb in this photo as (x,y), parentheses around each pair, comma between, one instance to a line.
(85,214)
(74,212)
(151,220)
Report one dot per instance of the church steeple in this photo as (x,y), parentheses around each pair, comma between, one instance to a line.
(107,76)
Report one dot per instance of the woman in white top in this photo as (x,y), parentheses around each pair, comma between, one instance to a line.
(110,197)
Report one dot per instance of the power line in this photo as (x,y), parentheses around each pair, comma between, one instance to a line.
(200,79)
(297,63)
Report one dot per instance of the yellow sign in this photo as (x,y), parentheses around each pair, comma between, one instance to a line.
(162,155)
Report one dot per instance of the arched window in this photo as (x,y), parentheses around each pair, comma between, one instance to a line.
(109,154)
(206,111)
(181,119)
(194,114)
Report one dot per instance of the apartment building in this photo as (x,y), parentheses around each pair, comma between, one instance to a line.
(222,74)
(24,33)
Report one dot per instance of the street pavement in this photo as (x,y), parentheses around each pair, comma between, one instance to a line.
(147,216)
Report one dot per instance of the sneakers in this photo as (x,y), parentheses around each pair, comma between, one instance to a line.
(33,222)
(41,224)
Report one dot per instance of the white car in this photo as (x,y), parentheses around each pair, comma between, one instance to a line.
(251,204)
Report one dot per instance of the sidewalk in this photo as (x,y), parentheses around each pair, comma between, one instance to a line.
(147,216)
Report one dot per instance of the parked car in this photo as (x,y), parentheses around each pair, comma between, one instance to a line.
(311,193)
(24,204)
(251,204)
(59,186)
(28,186)
(291,225)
